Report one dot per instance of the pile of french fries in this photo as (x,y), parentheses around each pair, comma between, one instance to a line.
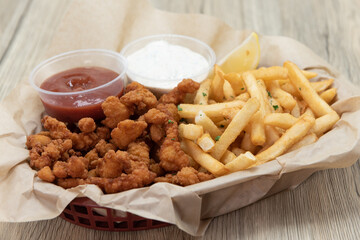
(241,120)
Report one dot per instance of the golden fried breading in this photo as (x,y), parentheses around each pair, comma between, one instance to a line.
(172,157)
(170,110)
(91,155)
(102,147)
(103,133)
(57,129)
(177,95)
(41,156)
(112,165)
(77,167)
(93,158)
(138,178)
(37,160)
(87,125)
(127,131)
(133,86)
(60,169)
(139,101)
(84,141)
(155,167)
(155,116)
(157,133)
(92,173)
(186,176)
(56,148)
(46,174)
(115,111)
(70,182)
(37,139)
(139,151)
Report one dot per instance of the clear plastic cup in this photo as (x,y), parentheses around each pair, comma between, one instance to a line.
(160,86)
(72,106)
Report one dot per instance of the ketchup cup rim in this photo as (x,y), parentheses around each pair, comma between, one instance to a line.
(79,51)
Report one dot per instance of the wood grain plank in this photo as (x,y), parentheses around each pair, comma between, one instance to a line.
(326,206)
(11,15)
(30,41)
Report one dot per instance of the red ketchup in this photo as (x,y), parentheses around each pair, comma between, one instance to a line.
(73,107)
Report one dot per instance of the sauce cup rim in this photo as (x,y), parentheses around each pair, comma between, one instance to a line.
(79,51)
(164,37)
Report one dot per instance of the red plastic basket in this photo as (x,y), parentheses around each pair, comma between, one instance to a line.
(86,213)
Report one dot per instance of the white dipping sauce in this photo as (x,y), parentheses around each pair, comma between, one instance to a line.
(162,61)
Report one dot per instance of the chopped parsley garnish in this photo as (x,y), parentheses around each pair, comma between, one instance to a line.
(179,108)
(200,103)
(232,96)
(170,121)
(242,88)
(275,107)
(204,94)
(217,138)
(173,139)
(269,94)
(300,88)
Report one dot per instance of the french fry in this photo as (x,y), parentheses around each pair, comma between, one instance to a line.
(275,106)
(205,142)
(223,124)
(307,140)
(256,89)
(272,135)
(227,157)
(296,111)
(285,99)
(229,93)
(238,123)
(202,94)
(324,123)
(217,85)
(289,138)
(211,110)
(309,112)
(237,151)
(328,95)
(281,120)
(246,143)
(288,87)
(229,113)
(276,72)
(243,97)
(258,136)
(205,160)
(208,125)
(241,162)
(190,131)
(236,82)
(322,85)
(315,102)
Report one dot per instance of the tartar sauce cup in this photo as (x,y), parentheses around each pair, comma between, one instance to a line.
(74,105)
(163,85)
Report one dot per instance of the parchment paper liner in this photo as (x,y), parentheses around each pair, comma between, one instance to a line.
(112,24)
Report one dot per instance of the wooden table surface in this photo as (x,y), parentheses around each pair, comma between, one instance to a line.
(326,206)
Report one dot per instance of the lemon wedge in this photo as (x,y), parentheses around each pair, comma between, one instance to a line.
(244,57)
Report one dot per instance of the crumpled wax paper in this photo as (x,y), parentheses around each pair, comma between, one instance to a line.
(111,24)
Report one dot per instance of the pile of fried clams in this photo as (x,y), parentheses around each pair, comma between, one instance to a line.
(136,145)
